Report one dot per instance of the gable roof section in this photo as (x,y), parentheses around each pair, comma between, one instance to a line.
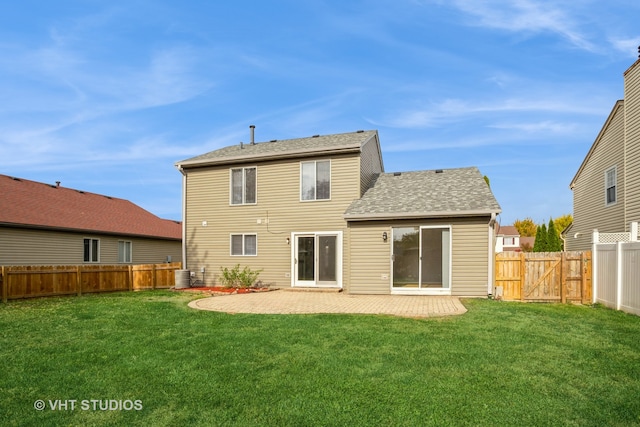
(31,204)
(423,194)
(507,230)
(287,148)
(618,105)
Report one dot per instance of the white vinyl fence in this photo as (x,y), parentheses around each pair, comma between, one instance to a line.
(616,272)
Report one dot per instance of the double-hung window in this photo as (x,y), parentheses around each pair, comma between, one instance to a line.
(610,185)
(244,244)
(315,180)
(243,186)
(124,251)
(91,250)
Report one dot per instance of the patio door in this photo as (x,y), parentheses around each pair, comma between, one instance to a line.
(317,259)
(421,260)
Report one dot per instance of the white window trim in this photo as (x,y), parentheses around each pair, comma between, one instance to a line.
(315,162)
(243,248)
(91,239)
(606,187)
(130,261)
(244,203)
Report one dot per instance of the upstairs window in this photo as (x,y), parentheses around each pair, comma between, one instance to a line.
(610,180)
(315,180)
(243,186)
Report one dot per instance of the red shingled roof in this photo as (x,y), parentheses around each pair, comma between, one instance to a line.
(34,204)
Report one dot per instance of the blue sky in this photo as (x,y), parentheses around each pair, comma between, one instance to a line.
(105,96)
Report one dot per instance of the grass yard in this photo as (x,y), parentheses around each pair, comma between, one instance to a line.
(500,364)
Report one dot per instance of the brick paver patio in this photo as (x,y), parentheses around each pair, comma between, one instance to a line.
(283,302)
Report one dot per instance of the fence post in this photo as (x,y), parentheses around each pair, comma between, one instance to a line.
(618,275)
(79,280)
(130,277)
(594,267)
(563,277)
(583,277)
(4,285)
(153,276)
(522,271)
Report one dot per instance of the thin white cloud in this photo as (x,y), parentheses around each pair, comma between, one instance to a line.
(526,17)
(453,109)
(628,46)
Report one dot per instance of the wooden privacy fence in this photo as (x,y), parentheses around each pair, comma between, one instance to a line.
(544,276)
(42,281)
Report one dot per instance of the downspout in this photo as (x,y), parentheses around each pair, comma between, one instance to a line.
(492,250)
(184,216)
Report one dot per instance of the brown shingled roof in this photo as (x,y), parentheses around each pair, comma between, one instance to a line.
(34,204)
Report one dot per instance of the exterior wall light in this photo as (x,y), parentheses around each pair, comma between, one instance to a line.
(384,236)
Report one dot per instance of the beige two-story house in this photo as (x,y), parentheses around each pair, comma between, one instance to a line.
(320,212)
(606,187)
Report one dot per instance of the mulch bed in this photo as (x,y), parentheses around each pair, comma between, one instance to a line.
(220,290)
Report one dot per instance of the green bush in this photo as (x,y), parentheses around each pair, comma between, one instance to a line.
(236,278)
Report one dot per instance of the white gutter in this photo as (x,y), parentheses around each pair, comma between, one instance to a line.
(416,215)
(492,251)
(184,217)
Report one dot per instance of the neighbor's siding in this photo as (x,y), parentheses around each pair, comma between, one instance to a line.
(370,164)
(632,138)
(20,246)
(371,256)
(278,199)
(589,210)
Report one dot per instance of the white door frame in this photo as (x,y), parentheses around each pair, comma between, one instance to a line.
(294,254)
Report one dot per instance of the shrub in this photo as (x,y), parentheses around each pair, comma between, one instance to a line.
(236,278)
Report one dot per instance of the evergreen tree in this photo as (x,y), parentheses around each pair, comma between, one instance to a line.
(540,244)
(554,244)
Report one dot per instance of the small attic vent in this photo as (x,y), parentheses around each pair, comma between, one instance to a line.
(439,171)
(360,131)
(80,191)
(16,179)
(109,197)
(397,173)
(315,136)
(274,140)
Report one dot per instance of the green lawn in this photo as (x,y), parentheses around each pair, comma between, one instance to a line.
(500,364)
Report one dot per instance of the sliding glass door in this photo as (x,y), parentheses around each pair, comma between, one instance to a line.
(316,259)
(421,258)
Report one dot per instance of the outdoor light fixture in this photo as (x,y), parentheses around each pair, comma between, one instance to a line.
(384,236)
(288,240)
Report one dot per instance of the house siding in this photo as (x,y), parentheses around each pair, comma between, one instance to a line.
(22,246)
(632,146)
(371,256)
(370,164)
(278,201)
(589,209)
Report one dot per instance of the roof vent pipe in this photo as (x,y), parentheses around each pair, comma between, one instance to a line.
(57,184)
(253,129)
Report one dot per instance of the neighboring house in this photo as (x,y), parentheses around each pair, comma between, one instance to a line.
(508,239)
(606,188)
(320,212)
(42,224)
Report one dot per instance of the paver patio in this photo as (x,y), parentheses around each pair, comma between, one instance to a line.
(283,302)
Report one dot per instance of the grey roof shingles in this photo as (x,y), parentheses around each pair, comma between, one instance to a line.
(453,192)
(282,148)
